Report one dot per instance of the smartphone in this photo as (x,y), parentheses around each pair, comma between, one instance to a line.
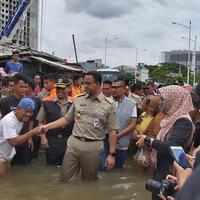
(179,156)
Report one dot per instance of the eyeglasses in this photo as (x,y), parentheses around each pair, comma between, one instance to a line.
(85,84)
(29,111)
(117,87)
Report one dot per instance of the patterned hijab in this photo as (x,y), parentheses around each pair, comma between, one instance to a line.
(178,103)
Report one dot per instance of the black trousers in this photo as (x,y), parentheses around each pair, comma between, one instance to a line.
(36,143)
(23,154)
(56,151)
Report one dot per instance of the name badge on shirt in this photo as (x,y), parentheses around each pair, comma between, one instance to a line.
(96,123)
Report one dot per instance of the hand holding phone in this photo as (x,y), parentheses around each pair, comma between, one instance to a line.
(179,156)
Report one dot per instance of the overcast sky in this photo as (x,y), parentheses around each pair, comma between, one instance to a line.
(142,24)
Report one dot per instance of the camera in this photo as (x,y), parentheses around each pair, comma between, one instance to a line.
(166,187)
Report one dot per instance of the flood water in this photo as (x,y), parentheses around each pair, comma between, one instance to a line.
(40,182)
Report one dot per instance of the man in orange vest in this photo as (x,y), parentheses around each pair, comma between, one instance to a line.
(49,90)
(77,87)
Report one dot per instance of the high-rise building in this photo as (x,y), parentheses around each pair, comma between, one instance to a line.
(180,57)
(26,35)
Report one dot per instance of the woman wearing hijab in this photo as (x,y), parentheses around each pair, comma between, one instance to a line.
(149,125)
(176,129)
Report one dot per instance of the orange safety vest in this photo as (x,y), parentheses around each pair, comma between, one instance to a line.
(77,90)
(51,97)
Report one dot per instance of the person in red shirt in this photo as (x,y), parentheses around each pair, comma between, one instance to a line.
(37,82)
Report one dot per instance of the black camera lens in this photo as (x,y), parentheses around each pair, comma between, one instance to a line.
(166,187)
(153,186)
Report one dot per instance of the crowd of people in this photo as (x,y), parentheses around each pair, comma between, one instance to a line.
(85,125)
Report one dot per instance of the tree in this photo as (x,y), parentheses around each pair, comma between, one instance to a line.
(167,72)
(123,74)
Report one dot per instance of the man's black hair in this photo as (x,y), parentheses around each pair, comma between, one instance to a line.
(107,83)
(50,77)
(127,82)
(76,77)
(120,80)
(15,52)
(95,75)
(20,77)
(136,86)
(31,83)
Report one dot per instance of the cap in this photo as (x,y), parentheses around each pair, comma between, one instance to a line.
(150,82)
(25,102)
(62,83)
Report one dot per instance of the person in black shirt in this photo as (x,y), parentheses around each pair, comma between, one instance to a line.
(34,123)
(51,111)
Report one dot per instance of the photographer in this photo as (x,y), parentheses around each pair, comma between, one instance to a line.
(187,180)
(190,189)
(179,180)
(176,130)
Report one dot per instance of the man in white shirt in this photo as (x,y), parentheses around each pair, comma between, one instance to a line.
(10,126)
(126,112)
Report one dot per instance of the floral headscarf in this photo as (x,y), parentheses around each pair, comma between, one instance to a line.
(179,103)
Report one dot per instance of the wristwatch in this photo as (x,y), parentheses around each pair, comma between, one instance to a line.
(112,154)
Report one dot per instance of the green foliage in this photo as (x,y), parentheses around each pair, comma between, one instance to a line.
(123,74)
(167,72)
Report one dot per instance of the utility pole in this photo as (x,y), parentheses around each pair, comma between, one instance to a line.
(188,61)
(75,48)
(105,50)
(106,42)
(194,61)
(188,70)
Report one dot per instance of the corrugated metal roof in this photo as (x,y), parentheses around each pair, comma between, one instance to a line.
(56,64)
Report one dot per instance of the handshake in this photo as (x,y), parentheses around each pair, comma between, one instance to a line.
(39,130)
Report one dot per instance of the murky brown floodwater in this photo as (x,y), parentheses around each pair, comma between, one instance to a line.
(40,182)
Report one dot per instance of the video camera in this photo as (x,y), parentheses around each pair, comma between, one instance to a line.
(166,187)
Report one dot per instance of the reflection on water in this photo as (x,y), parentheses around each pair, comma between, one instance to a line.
(40,182)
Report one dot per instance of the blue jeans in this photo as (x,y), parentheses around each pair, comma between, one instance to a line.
(104,155)
(119,158)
